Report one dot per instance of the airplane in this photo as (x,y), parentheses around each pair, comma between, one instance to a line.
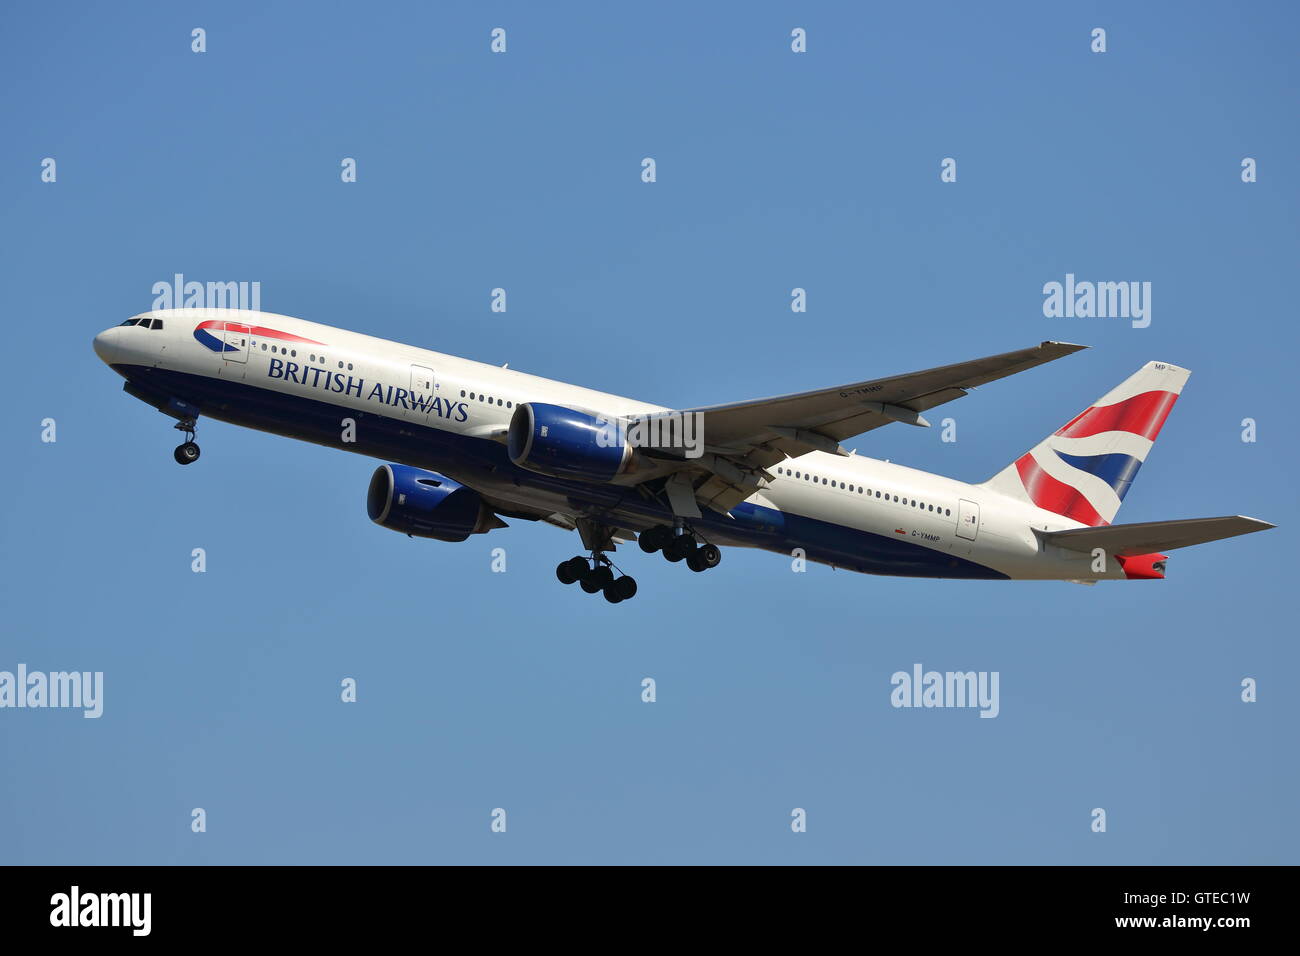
(469,445)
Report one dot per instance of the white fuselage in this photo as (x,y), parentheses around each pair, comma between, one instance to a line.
(857,512)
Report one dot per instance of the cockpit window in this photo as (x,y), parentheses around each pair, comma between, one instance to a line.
(157,323)
(130,321)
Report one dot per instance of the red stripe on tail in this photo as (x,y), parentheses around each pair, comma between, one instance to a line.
(1141,415)
(1055,496)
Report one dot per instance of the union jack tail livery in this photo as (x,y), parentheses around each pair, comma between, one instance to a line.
(1083,470)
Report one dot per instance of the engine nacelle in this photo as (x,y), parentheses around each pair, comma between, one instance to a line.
(426,504)
(567,443)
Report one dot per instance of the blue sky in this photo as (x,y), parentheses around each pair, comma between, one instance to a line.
(775,170)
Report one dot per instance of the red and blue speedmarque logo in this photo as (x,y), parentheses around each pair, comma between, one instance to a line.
(214,342)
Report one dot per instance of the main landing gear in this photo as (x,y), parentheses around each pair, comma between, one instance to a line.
(698,555)
(597,574)
(187,452)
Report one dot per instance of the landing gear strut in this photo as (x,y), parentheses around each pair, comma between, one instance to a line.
(597,574)
(188,452)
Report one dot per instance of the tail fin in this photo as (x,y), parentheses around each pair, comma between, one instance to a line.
(1084,469)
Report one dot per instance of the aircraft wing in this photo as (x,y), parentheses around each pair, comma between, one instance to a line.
(830,415)
(747,437)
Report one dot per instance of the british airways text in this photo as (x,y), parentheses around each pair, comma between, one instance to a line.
(316,377)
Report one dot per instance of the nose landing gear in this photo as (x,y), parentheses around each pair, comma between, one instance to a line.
(187,452)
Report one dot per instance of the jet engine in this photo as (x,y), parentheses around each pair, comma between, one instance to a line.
(425,504)
(567,443)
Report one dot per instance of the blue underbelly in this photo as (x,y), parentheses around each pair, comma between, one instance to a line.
(466,458)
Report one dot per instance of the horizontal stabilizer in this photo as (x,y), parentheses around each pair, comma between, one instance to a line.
(1148,537)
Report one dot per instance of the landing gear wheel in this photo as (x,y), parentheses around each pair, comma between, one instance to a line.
(596,579)
(706,556)
(653,539)
(186,454)
(569,571)
(679,547)
(620,589)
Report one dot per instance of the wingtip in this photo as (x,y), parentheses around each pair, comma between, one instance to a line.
(1260,524)
(1067,346)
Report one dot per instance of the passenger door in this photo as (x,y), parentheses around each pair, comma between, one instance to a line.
(422,393)
(968,519)
(234,342)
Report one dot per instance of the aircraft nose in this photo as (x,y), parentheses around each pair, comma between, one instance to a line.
(106,345)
